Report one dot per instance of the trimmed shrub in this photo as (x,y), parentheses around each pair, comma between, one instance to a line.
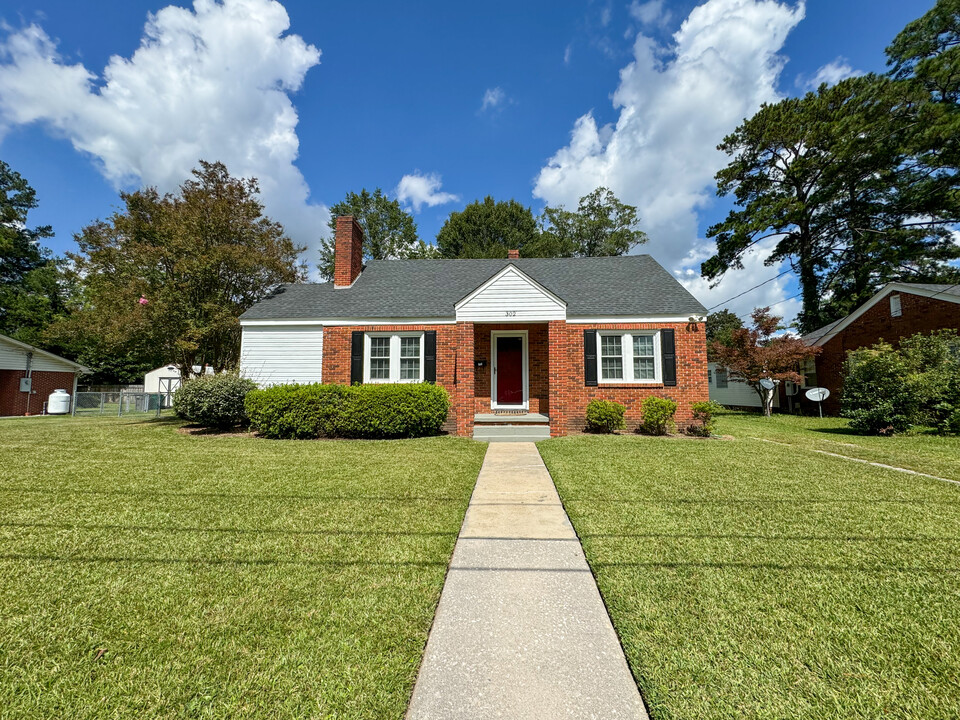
(214,401)
(296,412)
(605,416)
(358,411)
(878,395)
(657,415)
(703,423)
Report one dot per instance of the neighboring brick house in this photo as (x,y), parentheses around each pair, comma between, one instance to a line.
(28,375)
(521,344)
(897,311)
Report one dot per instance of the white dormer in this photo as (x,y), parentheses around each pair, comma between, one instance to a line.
(511,296)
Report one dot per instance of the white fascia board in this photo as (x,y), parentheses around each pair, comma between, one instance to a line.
(349,321)
(509,268)
(630,319)
(882,293)
(82,369)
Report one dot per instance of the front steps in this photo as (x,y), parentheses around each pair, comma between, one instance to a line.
(508,427)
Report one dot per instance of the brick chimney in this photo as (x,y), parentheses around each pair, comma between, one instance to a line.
(513,254)
(348,252)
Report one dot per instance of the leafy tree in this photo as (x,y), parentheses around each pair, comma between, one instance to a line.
(489,229)
(757,353)
(389,231)
(30,291)
(602,225)
(831,177)
(719,327)
(166,278)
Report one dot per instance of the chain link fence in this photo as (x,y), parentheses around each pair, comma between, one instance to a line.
(120,404)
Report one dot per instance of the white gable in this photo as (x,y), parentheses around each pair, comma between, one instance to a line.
(511,296)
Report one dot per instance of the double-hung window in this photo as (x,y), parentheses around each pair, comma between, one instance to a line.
(629,357)
(393,357)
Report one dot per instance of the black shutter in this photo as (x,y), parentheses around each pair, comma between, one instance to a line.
(590,358)
(356,358)
(430,356)
(668,352)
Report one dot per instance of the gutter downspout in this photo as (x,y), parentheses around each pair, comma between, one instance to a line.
(29,373)
(73,398)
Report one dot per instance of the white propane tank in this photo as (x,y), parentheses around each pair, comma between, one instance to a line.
(58,403)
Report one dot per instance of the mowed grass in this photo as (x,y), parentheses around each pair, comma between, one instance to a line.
(751,580)
(149,574)
(920,451)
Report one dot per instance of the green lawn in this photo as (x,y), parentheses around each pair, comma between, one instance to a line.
(751,580)
(149,574)
(924,452)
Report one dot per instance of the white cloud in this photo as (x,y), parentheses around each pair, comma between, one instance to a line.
(661,154)
(212,83)
(649,13)
(831,73)
(567,53)
(418,189)
(493,98)
(606,14)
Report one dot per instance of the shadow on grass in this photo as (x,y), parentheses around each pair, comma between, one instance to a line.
(226,530)
(756,501)
(803,567)
(88,560)
(798,538)
(231,496)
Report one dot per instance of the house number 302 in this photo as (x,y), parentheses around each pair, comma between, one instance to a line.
(511,313)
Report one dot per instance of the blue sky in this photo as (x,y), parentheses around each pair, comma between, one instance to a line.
(438,103)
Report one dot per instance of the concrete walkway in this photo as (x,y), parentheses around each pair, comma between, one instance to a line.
(521,631)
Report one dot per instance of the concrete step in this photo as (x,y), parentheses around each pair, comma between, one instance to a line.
(511,433)
(510,419)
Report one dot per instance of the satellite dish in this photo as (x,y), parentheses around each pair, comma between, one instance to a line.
(767,384)
(817,394)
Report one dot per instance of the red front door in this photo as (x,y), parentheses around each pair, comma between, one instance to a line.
(509,370)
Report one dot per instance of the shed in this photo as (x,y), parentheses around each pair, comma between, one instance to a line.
(28,375)
(166,379)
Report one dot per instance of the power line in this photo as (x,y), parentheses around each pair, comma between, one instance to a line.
(750,290)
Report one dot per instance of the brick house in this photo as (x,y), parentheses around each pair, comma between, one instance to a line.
(897,311)
(28,375)
(521,344)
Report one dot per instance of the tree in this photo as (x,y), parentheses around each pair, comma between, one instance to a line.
(602,225)
(831,178)
(758,353)
(719,328)
(489,229)
(30,291)
(389,231)
(165,279)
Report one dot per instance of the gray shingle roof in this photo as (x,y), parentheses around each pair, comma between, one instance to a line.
(602,286)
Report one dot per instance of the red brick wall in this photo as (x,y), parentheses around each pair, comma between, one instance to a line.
(14,402)
(573,395)
(337,345)
(556,370)
(918,315)
(537,365)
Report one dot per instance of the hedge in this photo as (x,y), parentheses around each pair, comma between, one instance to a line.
(605,416)
(215,401)
(357,411)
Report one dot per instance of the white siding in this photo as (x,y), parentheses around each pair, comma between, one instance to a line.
(13,357)
(285,354)
(737,393)
(511,297)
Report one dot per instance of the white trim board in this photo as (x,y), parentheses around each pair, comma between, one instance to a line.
(350,322)
(882,293)
(633,319)
(510,296)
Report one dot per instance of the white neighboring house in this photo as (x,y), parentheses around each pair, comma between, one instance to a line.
(733,393)
(165,380)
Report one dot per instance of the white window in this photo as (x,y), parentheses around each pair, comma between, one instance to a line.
(632,357)
(721,376)
(895,309)
(391,358)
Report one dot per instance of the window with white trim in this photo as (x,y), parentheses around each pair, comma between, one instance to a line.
(393,357)
(895,308)
(631,357)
